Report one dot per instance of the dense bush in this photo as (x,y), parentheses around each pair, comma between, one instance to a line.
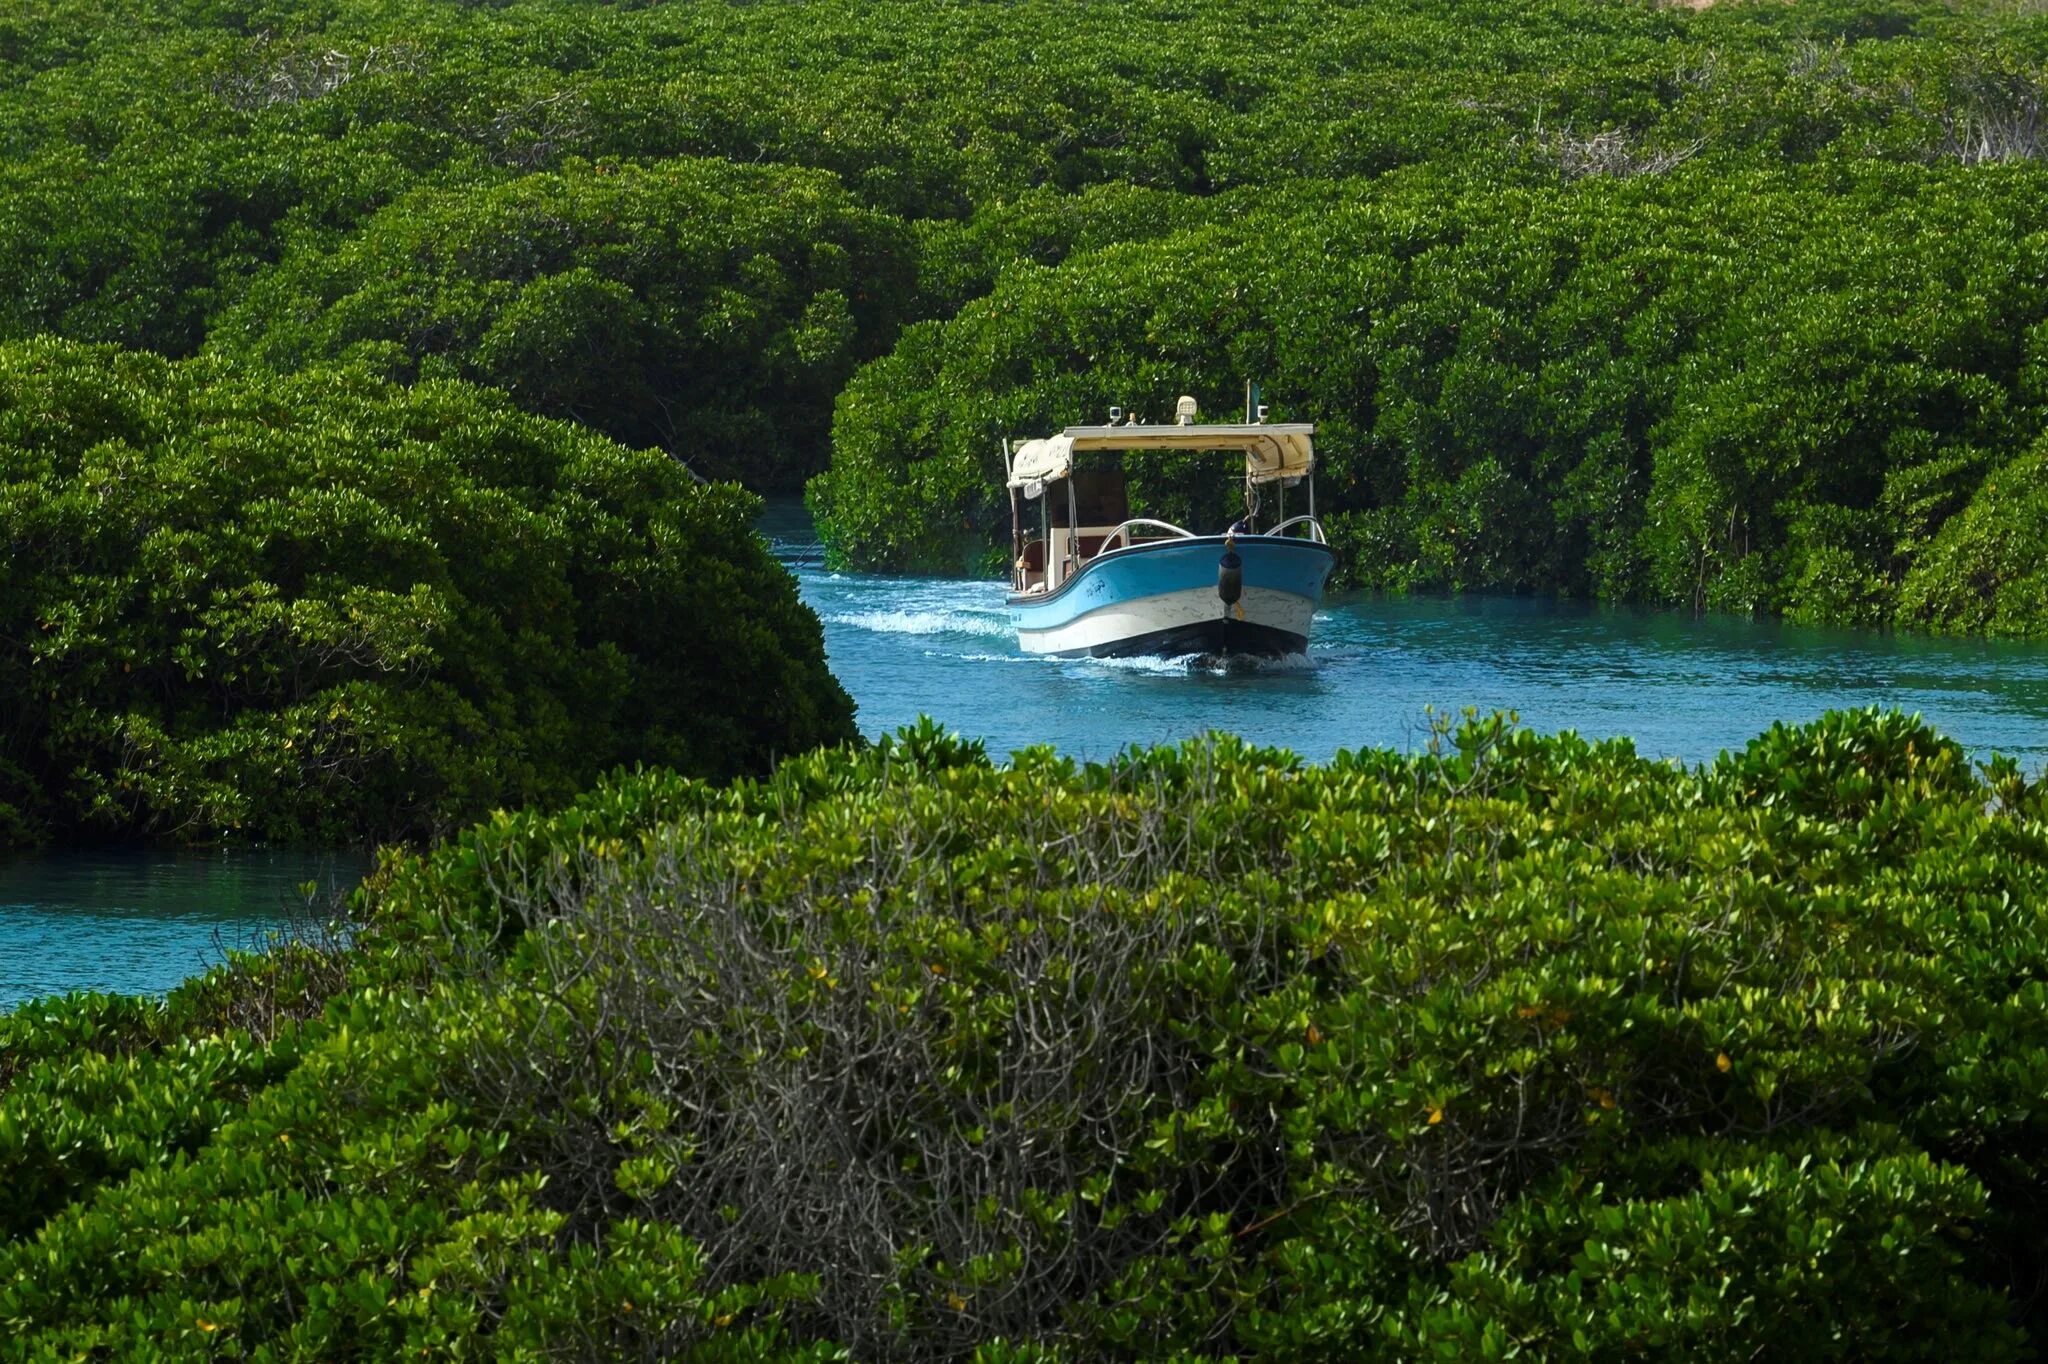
(1758,392)
(1985,571)
(711,309)
(291,182)
(1513,1046)
(327,607)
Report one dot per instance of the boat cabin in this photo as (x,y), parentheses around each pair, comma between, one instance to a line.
(1076,516)
(1062,518)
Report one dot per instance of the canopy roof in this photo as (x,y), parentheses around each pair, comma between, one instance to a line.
(1271,450)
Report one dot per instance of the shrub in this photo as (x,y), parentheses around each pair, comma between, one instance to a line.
(1985,572)
(328,608)
(708,308)
(1513,1045)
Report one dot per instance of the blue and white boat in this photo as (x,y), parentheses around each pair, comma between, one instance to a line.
(1098,582)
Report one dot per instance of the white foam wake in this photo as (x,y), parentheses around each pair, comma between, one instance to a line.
(924,622)
(1210,664)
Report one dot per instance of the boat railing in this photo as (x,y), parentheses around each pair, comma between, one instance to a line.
(1123,533)
(1314,533)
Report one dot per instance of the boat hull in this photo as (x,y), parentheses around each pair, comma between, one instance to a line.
(1160,599)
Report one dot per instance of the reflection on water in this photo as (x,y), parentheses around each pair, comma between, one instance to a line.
(140,922)
(1679,685)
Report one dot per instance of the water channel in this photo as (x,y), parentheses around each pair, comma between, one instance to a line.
(138,922)
(1680,686)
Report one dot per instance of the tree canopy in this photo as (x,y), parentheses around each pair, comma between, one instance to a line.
(709,308)
(326,607)
(685,224)
(1764,390)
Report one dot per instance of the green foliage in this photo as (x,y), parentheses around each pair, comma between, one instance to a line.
(1513,1046)
(1756,392)
(1985,572)
(704,307)
(357,1214)
(685,224)
(1735,1268)
(329,608)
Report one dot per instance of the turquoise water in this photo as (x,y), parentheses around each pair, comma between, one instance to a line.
(139,922)
(1681,686)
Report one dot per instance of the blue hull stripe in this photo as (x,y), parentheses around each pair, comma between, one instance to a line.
(1297,567)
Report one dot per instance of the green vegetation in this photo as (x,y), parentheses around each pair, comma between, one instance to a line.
(326,608)
(360,363)
(1514,1046)
(708,308)
(1738,308)
(1750,391)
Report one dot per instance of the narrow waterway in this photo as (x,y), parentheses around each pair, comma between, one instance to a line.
(137,922)
(1681,686)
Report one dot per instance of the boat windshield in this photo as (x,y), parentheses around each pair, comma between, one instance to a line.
(1100,499)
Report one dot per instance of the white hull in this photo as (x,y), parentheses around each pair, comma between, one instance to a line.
(1109,625)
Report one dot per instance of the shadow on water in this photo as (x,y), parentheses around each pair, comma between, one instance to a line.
(1678,685)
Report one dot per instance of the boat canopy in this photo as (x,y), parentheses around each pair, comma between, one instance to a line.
(1271,450)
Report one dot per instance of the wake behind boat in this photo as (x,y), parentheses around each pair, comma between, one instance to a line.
(1098,582)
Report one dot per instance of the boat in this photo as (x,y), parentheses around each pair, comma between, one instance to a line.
(1097,582)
